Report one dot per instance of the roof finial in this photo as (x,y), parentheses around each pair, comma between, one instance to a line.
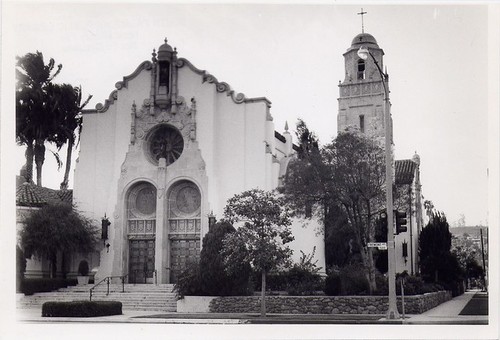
(362,21)
(166,38)
(286,126)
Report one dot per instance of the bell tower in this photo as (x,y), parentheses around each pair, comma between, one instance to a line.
(361,94)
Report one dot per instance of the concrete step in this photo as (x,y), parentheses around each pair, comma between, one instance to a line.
(136,296)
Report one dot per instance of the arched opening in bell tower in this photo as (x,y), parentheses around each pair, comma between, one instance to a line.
(361,69)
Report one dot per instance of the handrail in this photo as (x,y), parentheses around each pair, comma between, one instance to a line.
(107,279)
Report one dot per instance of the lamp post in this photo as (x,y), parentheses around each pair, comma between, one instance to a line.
(392,312)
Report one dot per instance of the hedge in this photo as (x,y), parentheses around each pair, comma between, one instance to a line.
(81,308)
(31,286)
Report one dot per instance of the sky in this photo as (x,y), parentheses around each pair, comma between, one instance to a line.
(436,56)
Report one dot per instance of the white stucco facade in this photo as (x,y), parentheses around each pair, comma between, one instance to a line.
(175,131)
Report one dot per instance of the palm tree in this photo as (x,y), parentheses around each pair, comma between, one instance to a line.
(67,100)
(35,121)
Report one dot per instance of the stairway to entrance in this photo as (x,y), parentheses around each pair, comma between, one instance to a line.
(136,296)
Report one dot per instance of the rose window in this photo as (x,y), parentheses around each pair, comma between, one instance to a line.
(166,142)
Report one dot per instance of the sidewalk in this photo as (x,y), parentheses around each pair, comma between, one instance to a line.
(446,313)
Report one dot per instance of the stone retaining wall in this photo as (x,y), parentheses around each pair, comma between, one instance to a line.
(415,304)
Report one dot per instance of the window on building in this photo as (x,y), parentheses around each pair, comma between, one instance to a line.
(361,69)
(164,73)
(362,123)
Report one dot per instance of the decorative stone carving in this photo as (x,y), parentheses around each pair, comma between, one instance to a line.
(112,97)
(155,128)
(166,142)
(142,201)
(185,200)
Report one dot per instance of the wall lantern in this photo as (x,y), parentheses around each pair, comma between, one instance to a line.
(405,250)
(105,228)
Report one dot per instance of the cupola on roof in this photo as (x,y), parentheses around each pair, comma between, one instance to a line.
(364,39)
(165,51)
(165,47)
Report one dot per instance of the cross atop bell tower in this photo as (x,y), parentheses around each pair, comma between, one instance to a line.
(362,21)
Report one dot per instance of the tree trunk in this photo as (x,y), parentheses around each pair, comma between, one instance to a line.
(29,161)
(39,159)
(371,272)
(64,184)
(263,294)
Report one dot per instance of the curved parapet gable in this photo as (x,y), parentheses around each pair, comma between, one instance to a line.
(221,86)
(112,97)
(145,65)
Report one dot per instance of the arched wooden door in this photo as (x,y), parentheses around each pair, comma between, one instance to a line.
(184,221)
(141,231)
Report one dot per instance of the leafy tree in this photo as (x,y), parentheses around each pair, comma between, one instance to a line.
(429,208)
(308,190)
(35,116)
(358,167)
(54,228)
(345,183)
(307,183)
(261,240)
(469,256)
(214,279)
(308,142)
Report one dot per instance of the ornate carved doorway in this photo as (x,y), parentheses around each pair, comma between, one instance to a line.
(141,231)
(184,211)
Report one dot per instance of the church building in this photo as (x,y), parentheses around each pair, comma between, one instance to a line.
(361,108)
(161,157)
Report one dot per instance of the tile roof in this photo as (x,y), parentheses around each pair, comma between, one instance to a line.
(31,195)
(405,171)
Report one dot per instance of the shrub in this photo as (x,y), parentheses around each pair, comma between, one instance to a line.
(83,268)
(189,281)
(215,280)
(413,285)
(81,308)
(354,281)
(300,281)
(333,284)
(275,281)
(31,286)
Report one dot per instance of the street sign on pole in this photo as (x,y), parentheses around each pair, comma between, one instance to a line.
(379,245)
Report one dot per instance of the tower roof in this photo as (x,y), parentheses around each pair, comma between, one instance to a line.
(165,47)
(364,39)
(165,51)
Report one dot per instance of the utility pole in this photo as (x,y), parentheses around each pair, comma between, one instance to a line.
(484,263)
